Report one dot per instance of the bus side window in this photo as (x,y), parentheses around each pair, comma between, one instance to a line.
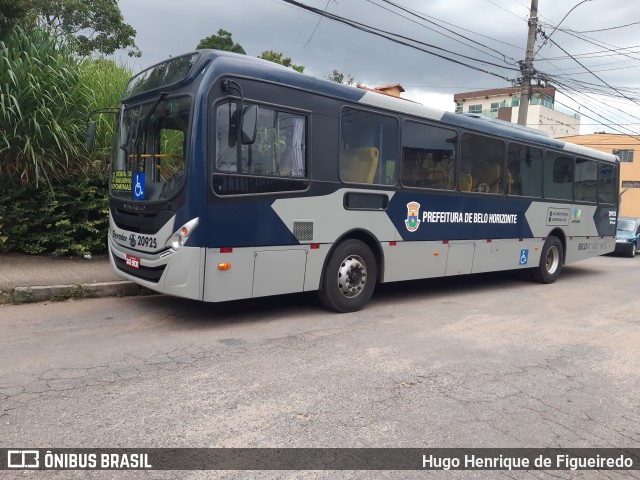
(368,150)
(586,180)
(558,176)
(524,170)
(607,182)
(483,159)
(279,148)
(428,156)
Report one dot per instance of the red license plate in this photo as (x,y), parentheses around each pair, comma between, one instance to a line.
(133,262)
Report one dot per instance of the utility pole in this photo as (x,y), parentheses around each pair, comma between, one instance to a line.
(523,109)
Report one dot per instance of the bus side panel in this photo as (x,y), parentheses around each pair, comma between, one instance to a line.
(315,263)
(414,260)
(581,248)
(507,254)
(233,283)
(254,272)
(586,233)
(287,266)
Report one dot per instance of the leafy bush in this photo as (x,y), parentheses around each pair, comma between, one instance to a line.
(67,217)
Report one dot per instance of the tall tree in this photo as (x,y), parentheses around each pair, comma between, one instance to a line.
(97,25)
(221,41)
(278,57)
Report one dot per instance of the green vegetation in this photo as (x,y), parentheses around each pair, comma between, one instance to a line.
(53,193)
(68,217)
(41,104)
(95,26)
(338,77)
(278,57)
(46,92)
(221,41)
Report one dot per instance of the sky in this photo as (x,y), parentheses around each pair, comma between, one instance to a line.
(593,57)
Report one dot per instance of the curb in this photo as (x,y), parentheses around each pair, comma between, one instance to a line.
(56,293)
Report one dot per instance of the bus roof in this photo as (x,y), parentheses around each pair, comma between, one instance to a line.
(187,67)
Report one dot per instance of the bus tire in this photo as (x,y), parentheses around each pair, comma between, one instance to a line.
(550,261)
(349,277)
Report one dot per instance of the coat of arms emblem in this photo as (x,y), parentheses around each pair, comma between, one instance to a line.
(413,216)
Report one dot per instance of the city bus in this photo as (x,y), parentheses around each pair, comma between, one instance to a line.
(233,178)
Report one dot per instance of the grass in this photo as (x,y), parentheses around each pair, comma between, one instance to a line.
(46,91)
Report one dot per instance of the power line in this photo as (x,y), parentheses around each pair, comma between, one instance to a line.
(427,18)
(317,25)
(607,29)
(583,66)
(389,36)
(508,11)
(418,45)
(600,44)
(588,116)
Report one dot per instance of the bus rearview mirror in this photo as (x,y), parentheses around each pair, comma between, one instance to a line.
(249,124)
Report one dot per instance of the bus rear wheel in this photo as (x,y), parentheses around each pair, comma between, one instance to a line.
(349,277)
(550,261)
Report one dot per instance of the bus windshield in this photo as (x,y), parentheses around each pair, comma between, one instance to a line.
(149,149)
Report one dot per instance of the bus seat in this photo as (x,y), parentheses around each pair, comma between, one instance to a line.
(491,177)
(390,172)
(359,165)
(466,182)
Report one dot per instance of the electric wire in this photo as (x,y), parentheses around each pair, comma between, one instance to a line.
(577,88)
(427,18)
(402,40)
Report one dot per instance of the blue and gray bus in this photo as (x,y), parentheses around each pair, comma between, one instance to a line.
(232,178)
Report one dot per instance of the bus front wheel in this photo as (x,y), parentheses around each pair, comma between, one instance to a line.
(349,277)
(550,261)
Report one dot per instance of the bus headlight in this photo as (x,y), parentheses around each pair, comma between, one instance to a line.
(180,237)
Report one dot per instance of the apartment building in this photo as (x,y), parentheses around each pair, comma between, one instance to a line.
(504,103)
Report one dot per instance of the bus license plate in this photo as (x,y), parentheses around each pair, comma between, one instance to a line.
(133,262)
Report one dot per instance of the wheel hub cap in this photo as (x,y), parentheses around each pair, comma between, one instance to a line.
(352,276)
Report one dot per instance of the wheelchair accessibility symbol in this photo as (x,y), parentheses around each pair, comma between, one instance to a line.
(138,185)
(524,257)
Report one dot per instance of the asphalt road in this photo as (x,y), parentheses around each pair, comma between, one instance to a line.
(475,361)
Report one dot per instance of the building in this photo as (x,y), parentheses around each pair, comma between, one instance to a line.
(627,147)
(504,103)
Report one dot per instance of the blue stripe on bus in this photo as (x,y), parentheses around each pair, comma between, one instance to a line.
(242,223)
(456,217)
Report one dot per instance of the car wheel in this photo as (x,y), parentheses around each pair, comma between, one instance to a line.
(633,250)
